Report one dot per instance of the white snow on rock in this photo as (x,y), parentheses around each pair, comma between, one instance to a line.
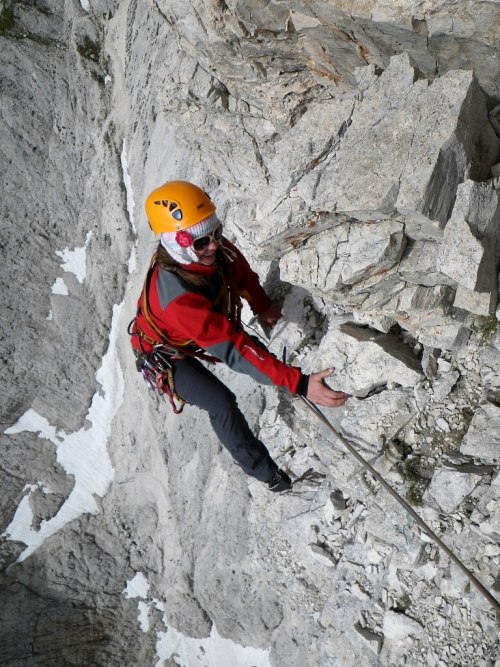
(128,187)
(85,5)
(137,587)
(82,453)
(143,616)
(59,287)
(132,262)
(127,181)
(213,651)
(75,260)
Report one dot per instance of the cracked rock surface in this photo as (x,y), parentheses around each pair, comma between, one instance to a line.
(352,151)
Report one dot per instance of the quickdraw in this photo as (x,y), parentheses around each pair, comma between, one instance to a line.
(156,370)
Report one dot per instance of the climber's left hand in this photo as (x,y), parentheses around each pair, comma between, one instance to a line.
(271,315)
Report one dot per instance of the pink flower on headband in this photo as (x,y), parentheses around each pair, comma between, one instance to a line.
(183,239)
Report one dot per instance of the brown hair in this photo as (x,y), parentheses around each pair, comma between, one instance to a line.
(165,261)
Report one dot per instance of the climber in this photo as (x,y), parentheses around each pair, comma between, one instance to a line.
(190,309)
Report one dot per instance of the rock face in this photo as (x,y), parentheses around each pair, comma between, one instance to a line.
(349,150)
(471,247)
(483,436)
(423,161)
(344,256)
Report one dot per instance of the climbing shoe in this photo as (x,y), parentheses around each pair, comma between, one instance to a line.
(279,482)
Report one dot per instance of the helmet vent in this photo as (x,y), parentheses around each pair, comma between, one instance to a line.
(173,205)
(158,203)
(177,214)
(164,202)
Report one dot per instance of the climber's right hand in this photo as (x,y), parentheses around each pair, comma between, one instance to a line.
(319,393)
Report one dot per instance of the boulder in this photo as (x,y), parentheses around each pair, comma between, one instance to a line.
(344,256)
(409,146)
(434,328)
(414,298)
(443,385)
(449,488)
(489,361)
(482,440)
(372,639)
(384,414)
(429,361)
(398,626)
(470,250)
(418,264)
(364,359)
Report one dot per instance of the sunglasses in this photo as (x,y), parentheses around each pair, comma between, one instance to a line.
(203,242)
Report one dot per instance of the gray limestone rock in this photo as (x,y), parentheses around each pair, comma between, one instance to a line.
(372,639)
(495,340)
(490,363)
(414,298)
(483,437)
(383,414)
(344,255)
(322,555)
(443,385)
(364,359)
(449,488)
(398,626)
(424,160)
(436,35)
(279,113)
(481,303)
(418,264)
(471,247)
(436,329)
(429,361)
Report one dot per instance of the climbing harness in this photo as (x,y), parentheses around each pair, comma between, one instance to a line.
(155,365)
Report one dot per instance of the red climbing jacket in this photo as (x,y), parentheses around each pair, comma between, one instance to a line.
(189,318)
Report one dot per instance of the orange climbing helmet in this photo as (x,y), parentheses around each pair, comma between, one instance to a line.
(177,205)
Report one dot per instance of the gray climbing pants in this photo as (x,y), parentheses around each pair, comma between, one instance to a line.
(198,386)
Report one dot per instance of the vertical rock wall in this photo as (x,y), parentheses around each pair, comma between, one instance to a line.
(349,152)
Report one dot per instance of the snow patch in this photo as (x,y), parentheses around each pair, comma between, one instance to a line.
(107,79)
(132,265)
(59,287)
(75,261)
(83,454)
(213,651)
(128,187)
(85,5)
(137,587)
(143,617)
(49,316)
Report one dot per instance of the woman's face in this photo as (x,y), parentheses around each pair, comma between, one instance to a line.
(208,256)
